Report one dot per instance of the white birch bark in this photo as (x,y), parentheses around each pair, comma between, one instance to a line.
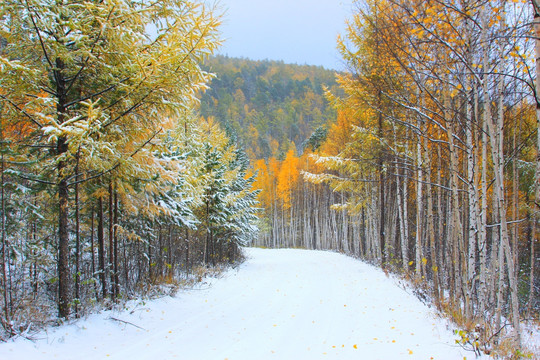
(496,130)
(473,206)
(431,227)
(419,205)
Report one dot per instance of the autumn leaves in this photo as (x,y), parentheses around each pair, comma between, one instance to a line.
(434,153)
(101,141)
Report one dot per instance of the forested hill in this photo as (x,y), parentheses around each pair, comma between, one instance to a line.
(269,105)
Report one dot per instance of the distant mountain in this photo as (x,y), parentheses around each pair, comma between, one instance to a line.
(270,106)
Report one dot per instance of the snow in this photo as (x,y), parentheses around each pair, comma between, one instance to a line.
(280,304)
(531,337)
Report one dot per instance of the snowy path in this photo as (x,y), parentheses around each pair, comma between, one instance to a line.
(281,304)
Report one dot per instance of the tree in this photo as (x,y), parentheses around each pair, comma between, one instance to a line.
(435,141)
(89,81)
(287,178)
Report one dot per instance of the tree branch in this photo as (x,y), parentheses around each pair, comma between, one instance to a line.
(117,165)
(21,110)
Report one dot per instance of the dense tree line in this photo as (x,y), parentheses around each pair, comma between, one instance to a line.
(298,213)
(433,158)
(110,182)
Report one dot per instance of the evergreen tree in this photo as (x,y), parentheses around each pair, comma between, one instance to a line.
(89,83)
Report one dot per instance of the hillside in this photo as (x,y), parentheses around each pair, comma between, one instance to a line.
(269,105)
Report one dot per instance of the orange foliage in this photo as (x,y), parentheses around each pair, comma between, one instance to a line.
(339,132)
(262,182)
(288,178)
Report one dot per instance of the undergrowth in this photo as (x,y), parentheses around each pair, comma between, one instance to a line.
(36,313)
(479,335)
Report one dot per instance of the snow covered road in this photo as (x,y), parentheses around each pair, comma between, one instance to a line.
(280,304)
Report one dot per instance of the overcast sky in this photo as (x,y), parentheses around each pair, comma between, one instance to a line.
(295,31)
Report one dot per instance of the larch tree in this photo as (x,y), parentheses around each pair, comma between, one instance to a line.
(93,85)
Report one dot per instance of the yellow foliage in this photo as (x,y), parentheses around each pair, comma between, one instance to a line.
(288,178)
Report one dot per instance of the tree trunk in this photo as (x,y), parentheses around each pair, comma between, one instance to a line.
(473,206)
(431,228)
(77,243)
(419,206)
(454,232)
(382,209)
(485,271)
(532,267)
(441,204)
(92,247)
(111,241)
(7,314)
(101,249)
(497,149)
(402,221)
(187,267)
(536,10)
(64,294)
(115,248)
(515,194)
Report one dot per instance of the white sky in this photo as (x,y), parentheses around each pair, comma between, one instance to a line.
(295,31)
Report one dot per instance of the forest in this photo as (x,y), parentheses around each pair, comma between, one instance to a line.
(132,163)
(429,167)
(269,106)
(111,184)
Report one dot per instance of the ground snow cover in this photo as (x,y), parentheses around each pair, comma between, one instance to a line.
(280,304)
